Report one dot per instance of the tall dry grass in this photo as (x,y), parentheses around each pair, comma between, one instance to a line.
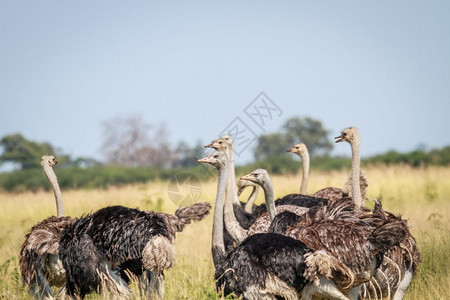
(421,195)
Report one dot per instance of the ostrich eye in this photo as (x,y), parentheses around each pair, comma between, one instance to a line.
(220,142)
(216,156)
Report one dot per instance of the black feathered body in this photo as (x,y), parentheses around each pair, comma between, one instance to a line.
(120,233)
(258,261)
(116,238)
(116,235)
(291,199)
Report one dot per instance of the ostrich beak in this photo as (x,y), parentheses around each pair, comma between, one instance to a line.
(214,145)
(290,150)
(339,139)
(203,160)
(246,177)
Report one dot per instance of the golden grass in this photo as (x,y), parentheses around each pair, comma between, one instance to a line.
(421,195)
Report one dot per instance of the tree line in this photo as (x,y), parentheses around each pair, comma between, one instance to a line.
(134,151)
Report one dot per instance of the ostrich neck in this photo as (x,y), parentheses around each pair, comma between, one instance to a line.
(356,161)
(231,224)
(218,245)
(251,200)
(232,173)
(305,163)
(268,197)
(54,182)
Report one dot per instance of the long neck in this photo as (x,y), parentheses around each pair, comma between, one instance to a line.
(251,200)
(356,160)
(218,245)
(231,224)
(232,173)
(54,182)
(268,196)
(305,163)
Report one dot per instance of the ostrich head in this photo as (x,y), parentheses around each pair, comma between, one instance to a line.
(221,143)
(48,160)
(243,184)
(258,176)
(299,149)
(216,159)
(348,134)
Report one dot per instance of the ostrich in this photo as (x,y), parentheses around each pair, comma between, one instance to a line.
(398,267)
(99,248)
(342,229)
(237,220)
(39,262)
(268,265)
(331,193)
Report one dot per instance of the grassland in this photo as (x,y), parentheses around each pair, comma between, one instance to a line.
(421,195)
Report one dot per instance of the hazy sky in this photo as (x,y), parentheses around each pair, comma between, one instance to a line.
(383,66)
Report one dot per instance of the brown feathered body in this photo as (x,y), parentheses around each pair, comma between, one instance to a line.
(39,264)
(330,193)
(334,193)
(357,238)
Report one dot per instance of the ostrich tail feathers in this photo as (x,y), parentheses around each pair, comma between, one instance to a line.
(195,212)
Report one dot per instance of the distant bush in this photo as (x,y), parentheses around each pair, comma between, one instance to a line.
(94,177)
(330,163)
(440,157)
(22,180)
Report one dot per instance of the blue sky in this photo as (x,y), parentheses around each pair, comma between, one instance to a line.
(383,66)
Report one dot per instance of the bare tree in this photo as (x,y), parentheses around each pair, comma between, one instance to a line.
(129,141)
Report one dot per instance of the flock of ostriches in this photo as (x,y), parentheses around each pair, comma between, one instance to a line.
(327,245)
